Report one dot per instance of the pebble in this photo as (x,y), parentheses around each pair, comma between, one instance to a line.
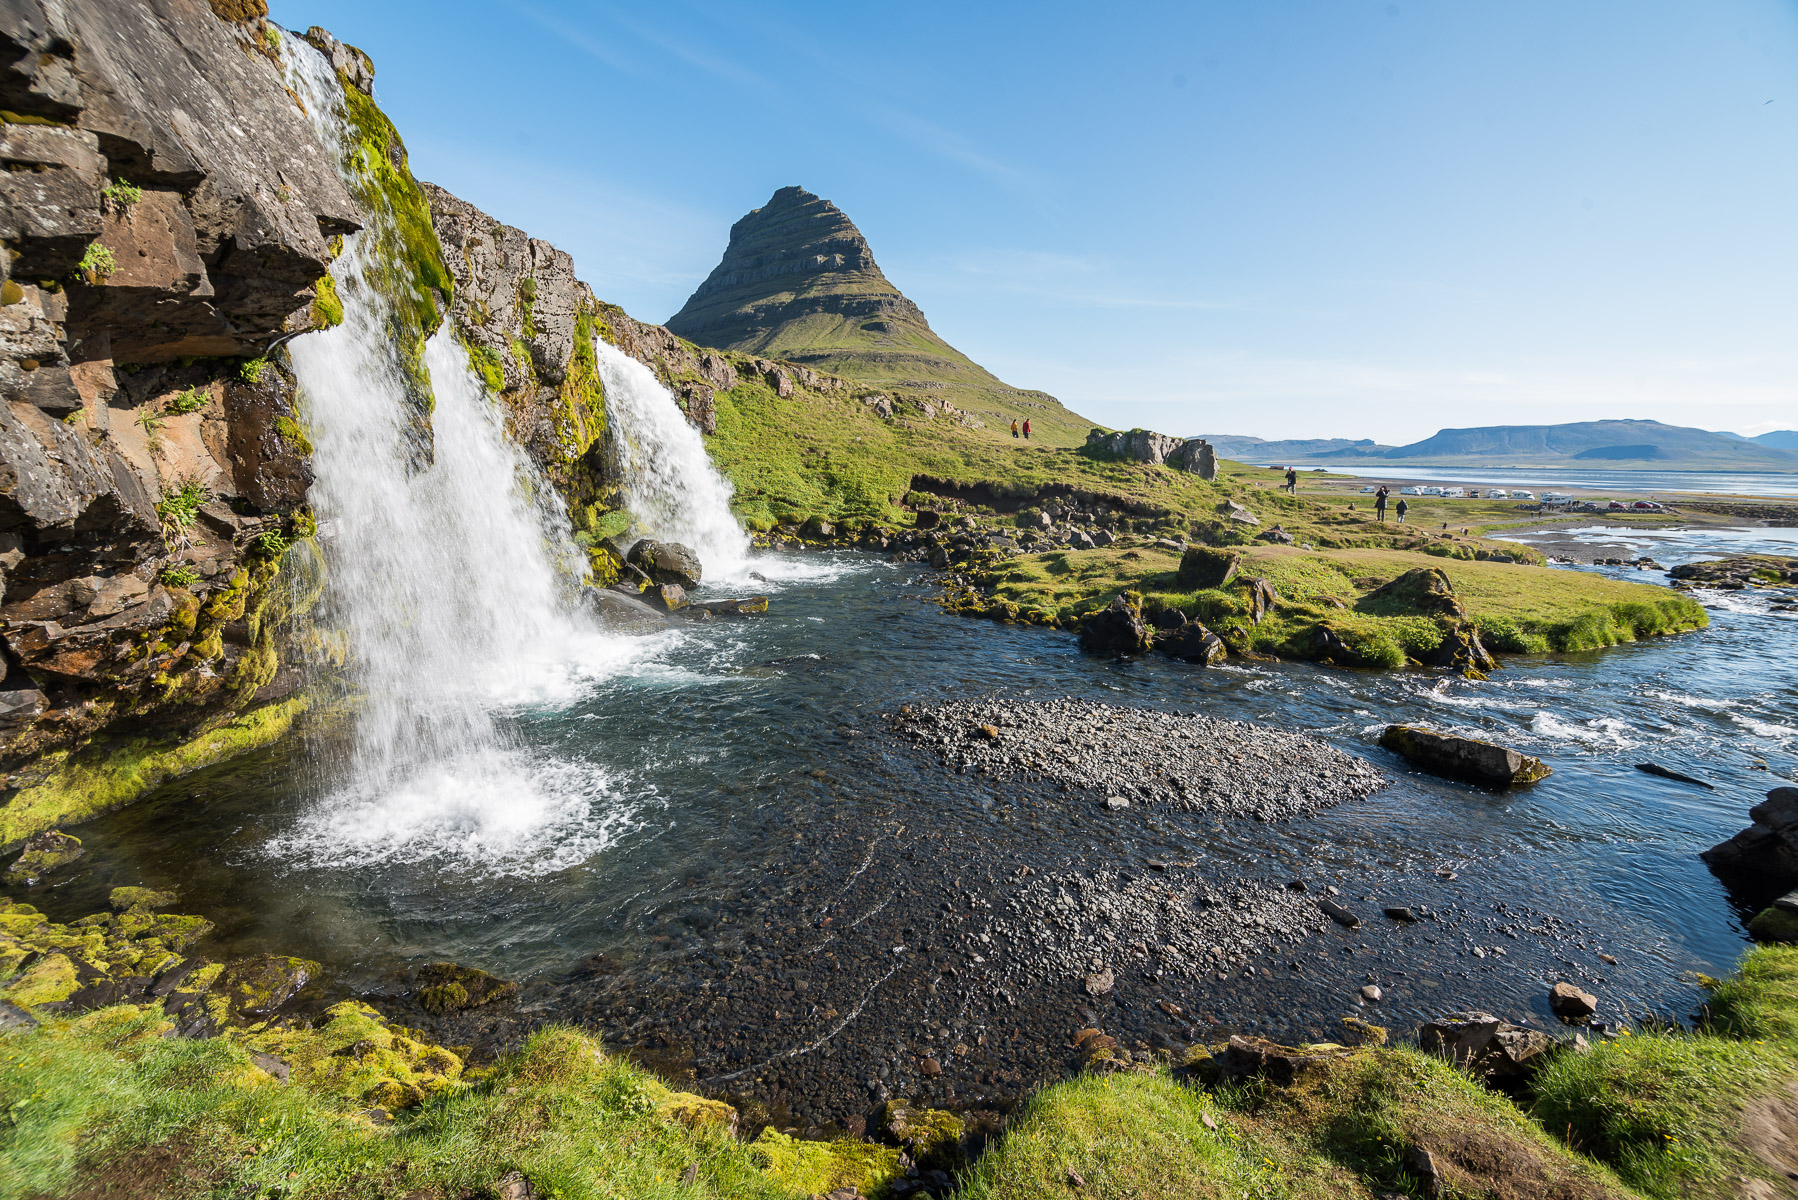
(1116,803)
(1372,994)
(1400,914)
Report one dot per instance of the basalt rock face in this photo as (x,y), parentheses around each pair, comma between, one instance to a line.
(1146,446)
(167,213)
(798,281)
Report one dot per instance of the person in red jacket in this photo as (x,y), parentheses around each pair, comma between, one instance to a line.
(1026,428)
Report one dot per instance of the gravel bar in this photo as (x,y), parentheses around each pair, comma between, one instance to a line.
(1143,755)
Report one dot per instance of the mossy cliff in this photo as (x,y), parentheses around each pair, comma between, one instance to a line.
(153,469)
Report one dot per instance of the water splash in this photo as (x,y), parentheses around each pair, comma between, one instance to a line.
(671,488)
(453,574)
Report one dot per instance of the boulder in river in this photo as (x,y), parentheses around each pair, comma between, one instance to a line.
(625,614)
(1116,629)
(1193,643)
(1483,1045)
(1462,757)
(745,606)
(1571,1004)
(665,562)
(1762,860)
(43,854)
(671,596)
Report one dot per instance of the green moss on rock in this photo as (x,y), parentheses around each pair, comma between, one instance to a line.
(820,1167)
(50,979)
(1774,924)
(83,783)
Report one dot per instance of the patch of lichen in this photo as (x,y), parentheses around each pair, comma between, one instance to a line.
(355,1054)
(74,785)
(408,260)
(488,365)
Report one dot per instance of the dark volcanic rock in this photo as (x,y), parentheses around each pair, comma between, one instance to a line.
(1762,860)
(1117,629)
(1461,757)
(1483,1045)
(666,562)
(1190,761)
(1192,642)
(625,614)
(1207,567)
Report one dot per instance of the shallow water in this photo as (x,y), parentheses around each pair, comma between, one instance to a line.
(732,821)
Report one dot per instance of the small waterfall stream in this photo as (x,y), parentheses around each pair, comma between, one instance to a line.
(670,486)
(454,585)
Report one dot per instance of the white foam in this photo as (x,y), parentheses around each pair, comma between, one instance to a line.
(1600,731)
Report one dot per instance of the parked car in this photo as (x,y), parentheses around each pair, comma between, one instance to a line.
(1410,491)
(1648,505)
(1369,489)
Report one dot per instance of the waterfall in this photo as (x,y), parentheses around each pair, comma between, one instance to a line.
(453,583)
(671,489)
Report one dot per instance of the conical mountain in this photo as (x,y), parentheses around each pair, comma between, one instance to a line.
(798,281)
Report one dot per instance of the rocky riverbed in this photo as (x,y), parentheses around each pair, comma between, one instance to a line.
(1142,755)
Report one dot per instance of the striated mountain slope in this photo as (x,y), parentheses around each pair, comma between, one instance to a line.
(798,281)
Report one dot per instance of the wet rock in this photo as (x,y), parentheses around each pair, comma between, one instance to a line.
(451,987)
(1462,757)
(666,562)
(1762,860)
(1248,1057)
(1400,914)
(1778,922)
(140,900)
(1192,643)
(1100,983)
(671,596)
(1480,1043)
(1339,914)
(1649,768)
(256,988)
(748,606)
(48,851)
(1116,630)
(625,614)
(1462,650)
(1116,803)
(1571,1004)
(1372,994)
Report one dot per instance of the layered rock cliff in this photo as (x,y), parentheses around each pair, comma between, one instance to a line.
(799,281)
(167,214)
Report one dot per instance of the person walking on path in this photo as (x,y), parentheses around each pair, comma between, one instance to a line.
(1026,428)
(1014,429)
(1379,501)
(1292,480)
(1402,506)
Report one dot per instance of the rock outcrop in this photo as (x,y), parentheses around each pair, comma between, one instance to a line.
(1762,860)
(168,216)
(1462,757)
(1142,445)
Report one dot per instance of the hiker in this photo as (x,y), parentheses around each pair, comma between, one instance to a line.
(1014,428)
(1379,501)
(1026,428)
(1402,506)
(1292,480)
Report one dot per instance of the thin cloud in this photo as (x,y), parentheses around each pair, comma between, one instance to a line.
(723,68)
(581,40)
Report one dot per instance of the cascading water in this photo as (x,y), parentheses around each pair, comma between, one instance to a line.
(671,488)
(452,582)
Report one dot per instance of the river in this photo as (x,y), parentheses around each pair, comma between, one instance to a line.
(730,864)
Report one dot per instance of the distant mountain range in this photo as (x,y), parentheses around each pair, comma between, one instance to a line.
(1589,444)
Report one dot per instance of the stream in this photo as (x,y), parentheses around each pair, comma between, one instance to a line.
(714,849)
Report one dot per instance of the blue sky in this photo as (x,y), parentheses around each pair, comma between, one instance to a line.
(1326,219)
